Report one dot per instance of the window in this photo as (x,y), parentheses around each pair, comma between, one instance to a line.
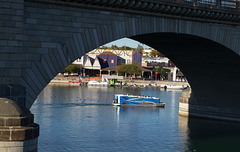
(112,61)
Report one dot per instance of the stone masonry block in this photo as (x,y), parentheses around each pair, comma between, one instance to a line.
(58,59)
(17,90)
(51,64)
(35,79)
(54,61)
(42,70)
(47,68)
(10,72)
(39,75)
(49,45)
(31,20)
(17,6)
(4,91)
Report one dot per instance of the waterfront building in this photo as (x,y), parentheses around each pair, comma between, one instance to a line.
(122,56)
(81,61)
(110,58)
(93,67)
(147,52)
(124,59)
(137,58)
(88,63)
(104,61)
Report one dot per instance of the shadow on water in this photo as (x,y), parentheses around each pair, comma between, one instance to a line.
(210,135)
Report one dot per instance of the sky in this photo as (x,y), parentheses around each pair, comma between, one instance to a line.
(127,42)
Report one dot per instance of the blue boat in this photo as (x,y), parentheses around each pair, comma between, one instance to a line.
(132,100)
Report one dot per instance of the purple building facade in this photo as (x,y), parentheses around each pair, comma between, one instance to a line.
(110,58)
(137,58)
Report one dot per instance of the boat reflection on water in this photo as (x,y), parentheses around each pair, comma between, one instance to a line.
(132,112)
(98,87)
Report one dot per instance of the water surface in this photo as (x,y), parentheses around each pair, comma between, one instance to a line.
(74,118)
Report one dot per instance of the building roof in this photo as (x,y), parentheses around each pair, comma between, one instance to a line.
(103,63)
(145,70)
(134,52)
(89,58)
(107,53)
(110,68)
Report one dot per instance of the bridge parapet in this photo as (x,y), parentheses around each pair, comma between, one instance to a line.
(211,10)
(232,5)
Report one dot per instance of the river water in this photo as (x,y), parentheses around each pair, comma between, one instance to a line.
(74,119)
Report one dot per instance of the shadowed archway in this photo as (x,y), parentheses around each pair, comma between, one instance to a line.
(211,69)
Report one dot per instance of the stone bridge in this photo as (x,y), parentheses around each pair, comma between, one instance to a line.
(39,38)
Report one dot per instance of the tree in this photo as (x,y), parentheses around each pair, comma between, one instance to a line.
(121,70)
(125,48)
(161,72)
(155,53)
(133,69)
(140,48)
(73,68)
(114,47)
(130,69)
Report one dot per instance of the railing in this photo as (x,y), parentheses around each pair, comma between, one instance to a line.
(229,5)
(219,4)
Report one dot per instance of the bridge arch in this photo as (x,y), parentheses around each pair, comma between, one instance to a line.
(211,68)
(53,35)
(39,38)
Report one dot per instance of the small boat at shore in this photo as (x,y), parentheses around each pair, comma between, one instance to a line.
(132,100)
(79,82)
(104,82)
(99,83)
(173,86)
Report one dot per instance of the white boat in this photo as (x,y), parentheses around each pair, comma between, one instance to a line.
(98,83)
(173,86)
(104,82)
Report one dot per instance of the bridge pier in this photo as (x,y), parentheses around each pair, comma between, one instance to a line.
(189,107)
(184,100)
(18,132)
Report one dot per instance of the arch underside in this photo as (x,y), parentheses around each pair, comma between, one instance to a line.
(212,69)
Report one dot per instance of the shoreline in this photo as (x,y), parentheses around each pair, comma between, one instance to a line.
(136,82)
